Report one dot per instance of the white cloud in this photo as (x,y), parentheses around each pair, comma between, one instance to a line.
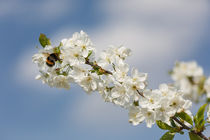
(26,70)
(159,32)
(36,11)
(145,25)
(155,11)
(92,111)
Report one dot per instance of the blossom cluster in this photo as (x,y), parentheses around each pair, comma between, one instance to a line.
(160,104)
(190,78)
(73,61)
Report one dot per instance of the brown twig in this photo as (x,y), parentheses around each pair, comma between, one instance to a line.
(188,128)
(94,65)
(183,126)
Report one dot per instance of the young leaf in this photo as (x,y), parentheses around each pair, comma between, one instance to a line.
(184,116)
(201,89)
(199,118)
(163,125)
(136,103)
(43,40)
(172,122)
(57,49)
(208,100)
(181,132)
(194,136)
(168,136)
(89,54)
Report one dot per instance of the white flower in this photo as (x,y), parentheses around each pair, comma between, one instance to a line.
(119,96)
(167,91)
(138,115)
(208,115)
(151,99)
(186,69)
(72,56)
(106,58)
(207,87)
(54,80)
(88,82)
(189,90)
(74,50)
(105,87)
(45,77)
(134,89)
(176,103)
(61,81)
(135,115)
(40,58)
(164,112)
(121,52)
(150,116)
(173,99)
(137,81)
(187,76)
(112,55)
(83,42)
(138,77)
(121,71)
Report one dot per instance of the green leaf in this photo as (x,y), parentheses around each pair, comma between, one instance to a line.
(181,132)
(168,136)
(208,100)
(172,123)
(92,71)
(199,118)
(89,54)
(57,50)
(170,72)
(194,136)
(43,40)
(136,103)
(191,80)
(163,125)
(184,116)
(201,89)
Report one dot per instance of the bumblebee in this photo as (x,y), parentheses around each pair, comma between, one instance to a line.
(51,59)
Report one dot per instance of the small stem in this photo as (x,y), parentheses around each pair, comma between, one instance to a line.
(188,128)
(140,93)
(183,126)
(179,122)
(94,65)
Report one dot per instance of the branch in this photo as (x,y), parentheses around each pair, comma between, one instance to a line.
(188,128)
(94,65)
(183,126)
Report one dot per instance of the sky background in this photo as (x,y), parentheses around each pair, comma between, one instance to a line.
(159,32)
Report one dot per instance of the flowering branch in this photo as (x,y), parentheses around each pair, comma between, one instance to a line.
(188,128)
(167,106)
(103,71)
(97,67)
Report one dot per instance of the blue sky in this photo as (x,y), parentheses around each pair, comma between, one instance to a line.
(159,33)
